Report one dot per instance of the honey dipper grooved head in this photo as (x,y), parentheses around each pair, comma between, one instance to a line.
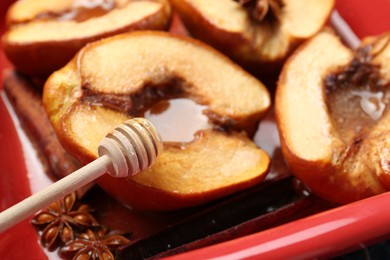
(132,147)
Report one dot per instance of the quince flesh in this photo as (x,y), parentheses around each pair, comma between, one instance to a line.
(117,78)
(260,47)
(44,35)
(330,139)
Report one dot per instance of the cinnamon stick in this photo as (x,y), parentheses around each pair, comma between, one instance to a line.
(25,98)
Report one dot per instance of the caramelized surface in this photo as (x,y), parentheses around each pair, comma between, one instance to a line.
(357,93)
(355,110)
(124,76)
(228,91)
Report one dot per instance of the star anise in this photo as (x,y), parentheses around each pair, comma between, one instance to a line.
(261,10)
(93,245)
(60,219)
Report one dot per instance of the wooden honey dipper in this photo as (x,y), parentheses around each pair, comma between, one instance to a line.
(130,148)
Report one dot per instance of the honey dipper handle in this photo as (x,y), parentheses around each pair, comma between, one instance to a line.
(54,192)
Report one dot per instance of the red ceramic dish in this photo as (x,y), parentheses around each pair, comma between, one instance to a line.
(14,183)
(324,234)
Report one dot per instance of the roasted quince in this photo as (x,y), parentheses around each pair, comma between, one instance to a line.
(257,34)
(121,77)
(332,109)
(44,35)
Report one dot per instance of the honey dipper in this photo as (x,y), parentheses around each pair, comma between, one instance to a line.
(130,148)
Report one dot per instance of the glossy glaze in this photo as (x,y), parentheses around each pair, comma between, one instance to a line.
(172,120)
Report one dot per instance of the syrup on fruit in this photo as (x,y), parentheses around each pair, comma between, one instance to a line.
(357,95)
(81,10)
(178,119)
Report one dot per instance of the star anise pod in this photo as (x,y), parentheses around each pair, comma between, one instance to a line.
(261,9)
(93,245)
(60,220)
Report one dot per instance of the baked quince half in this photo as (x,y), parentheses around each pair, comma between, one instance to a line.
(121,77)
(44,35)
(257,34)
(332,109)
